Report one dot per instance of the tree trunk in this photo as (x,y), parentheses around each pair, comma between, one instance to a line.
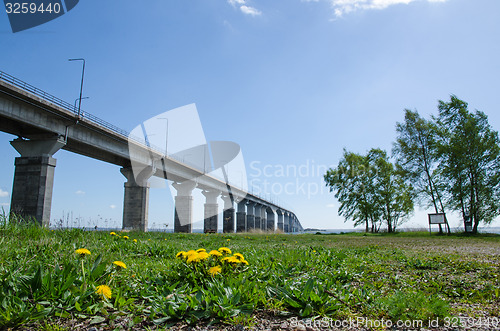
(476,223)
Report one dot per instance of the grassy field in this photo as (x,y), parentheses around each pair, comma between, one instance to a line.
(278,280)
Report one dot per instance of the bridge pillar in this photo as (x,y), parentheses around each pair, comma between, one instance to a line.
(279,212)
(286,222)
(250,216)
(258,216)
(241,216)
(263,218)
(34,178)
(293,222)
(183,214)
(270,220)
(211,219)
(228,215)
(136,199)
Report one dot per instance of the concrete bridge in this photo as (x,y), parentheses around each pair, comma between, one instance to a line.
(45,124)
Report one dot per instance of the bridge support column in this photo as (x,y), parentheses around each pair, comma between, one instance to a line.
(183,214)
(34,178)
(136,199)
(228,215)
(211,219)
(250,216)
(263,218)
(279,212)
(258,217)
(293,227)
(270,220)
(286,222)
(241,217)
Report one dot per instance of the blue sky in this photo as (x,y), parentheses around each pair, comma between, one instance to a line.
(293,82)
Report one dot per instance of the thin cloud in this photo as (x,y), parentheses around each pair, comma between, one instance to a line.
(247,10)
(3,194)
(236,2)
(4,204)
(342,7)
(330,205)
(112,206)
(80,192)
(250,11)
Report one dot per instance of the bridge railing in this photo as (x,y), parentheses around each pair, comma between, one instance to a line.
(94,119)
(66,105)
(36,91)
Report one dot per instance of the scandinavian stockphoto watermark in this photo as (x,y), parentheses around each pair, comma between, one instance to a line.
(492,323)
(177,150)
(305,179)
(26,14)
(172,146)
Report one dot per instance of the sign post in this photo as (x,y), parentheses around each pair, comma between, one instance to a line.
(438,218)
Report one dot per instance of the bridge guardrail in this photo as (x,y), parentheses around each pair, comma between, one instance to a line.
(67,106)
(36,91)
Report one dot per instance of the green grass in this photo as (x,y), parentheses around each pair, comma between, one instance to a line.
(405,276)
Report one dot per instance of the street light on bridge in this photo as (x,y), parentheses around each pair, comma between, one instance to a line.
(80,99)
(81,85)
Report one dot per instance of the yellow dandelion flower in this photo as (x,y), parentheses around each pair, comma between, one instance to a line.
(135,240)
(193,258)
(82,252)
(191,252)
(120,264)
(113,233)
(239,256)
(229,240)
(225,250)
(215,253)
(244,262)
(104,290)
(233,259)
(215,270)
(181,255)
(203,256)
(230,259)
(125,237)
(201,250)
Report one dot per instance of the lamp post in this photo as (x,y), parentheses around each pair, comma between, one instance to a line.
(79,99)
(81,85)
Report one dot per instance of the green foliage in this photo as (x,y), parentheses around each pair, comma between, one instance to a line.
(470,161)
(416,149)
(415,306)
(307,299)
(370,190)
(42,284)
(451,160)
